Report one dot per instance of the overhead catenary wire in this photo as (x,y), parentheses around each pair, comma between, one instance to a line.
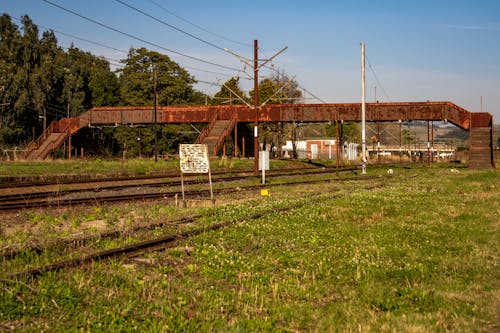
(198,26)
(115,62)
(212,72)
(376,78)
(170,25)
(79,38)
(158,46)
(138,38)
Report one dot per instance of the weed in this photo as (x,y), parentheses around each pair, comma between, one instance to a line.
(419,254)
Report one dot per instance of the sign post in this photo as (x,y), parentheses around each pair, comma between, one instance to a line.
(194,159)
(264,164)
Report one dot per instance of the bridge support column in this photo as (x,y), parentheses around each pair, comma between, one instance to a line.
(69,147)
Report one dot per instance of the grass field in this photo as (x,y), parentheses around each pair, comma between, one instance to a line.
(418,254)
(109,167)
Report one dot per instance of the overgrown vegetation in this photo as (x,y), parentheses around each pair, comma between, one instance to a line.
(419,254)
(132,166)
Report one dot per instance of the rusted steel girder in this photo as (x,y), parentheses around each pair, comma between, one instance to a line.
(394,111)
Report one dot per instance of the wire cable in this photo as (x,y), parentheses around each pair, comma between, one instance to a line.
(299,86)
(170,25)
(137,38)
(211,72)
(76,37)
(199,27)
(376,78)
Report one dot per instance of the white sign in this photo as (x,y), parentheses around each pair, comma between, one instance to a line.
(264,160)
(194,158)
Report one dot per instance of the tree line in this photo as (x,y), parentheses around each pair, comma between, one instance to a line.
(41,82)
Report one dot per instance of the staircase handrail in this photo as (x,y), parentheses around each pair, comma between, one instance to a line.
(35,144)
(64,125)
(225,133)
(206,130)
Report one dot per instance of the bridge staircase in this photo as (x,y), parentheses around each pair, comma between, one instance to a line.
(215,133)
(480,141)
(52,138)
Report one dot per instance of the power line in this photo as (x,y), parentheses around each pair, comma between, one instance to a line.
(170,25)
(137,38)
(111,61)
(207,71)
(378,81)
(298,85)
(197,26)
(79,38)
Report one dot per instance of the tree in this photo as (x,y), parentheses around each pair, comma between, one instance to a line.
(19,54)
(38,80)
(104,85)
(48,78)
(230,93)
(290,88)
(174,84)
(279,89)
(173,87)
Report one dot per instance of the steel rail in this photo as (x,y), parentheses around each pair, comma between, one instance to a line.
(161,243)
(10,254)
(71,180)
(34,200)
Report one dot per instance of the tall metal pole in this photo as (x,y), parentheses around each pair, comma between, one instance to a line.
(155,120)
(338,142)
(256,104)
(378,142)
(428,143)
(432,142)
(363,110)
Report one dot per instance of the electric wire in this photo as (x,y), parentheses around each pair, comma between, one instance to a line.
(170,25)
(79,38)
(137,38)
(376,78)
(199,27)
(301,87)
(166,49)
(207,71)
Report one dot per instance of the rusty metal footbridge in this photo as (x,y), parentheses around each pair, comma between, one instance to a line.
(221,121)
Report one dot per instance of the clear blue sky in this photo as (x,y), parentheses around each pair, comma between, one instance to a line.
(438,50)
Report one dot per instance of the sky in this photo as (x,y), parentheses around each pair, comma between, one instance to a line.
(419,50)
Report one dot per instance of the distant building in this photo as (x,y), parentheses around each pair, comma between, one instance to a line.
(320,149)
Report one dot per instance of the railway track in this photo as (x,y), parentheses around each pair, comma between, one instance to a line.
(165,242)
(21,182)
(28,200)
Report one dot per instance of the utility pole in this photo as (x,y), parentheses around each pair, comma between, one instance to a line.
(154,115)
(363,111)
(256,104)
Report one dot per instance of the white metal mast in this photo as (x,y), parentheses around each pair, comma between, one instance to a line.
(363,111)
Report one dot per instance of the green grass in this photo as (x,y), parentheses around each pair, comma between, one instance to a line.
(418,255)
(131,166)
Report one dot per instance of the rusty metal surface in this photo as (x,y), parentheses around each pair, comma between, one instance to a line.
(479,124)
(393,111)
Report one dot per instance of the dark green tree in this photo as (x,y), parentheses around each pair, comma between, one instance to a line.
(173,83)
(174,86)
(19,53)
(230,93)
(40,82)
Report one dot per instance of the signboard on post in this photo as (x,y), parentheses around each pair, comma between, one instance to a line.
(194,159)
